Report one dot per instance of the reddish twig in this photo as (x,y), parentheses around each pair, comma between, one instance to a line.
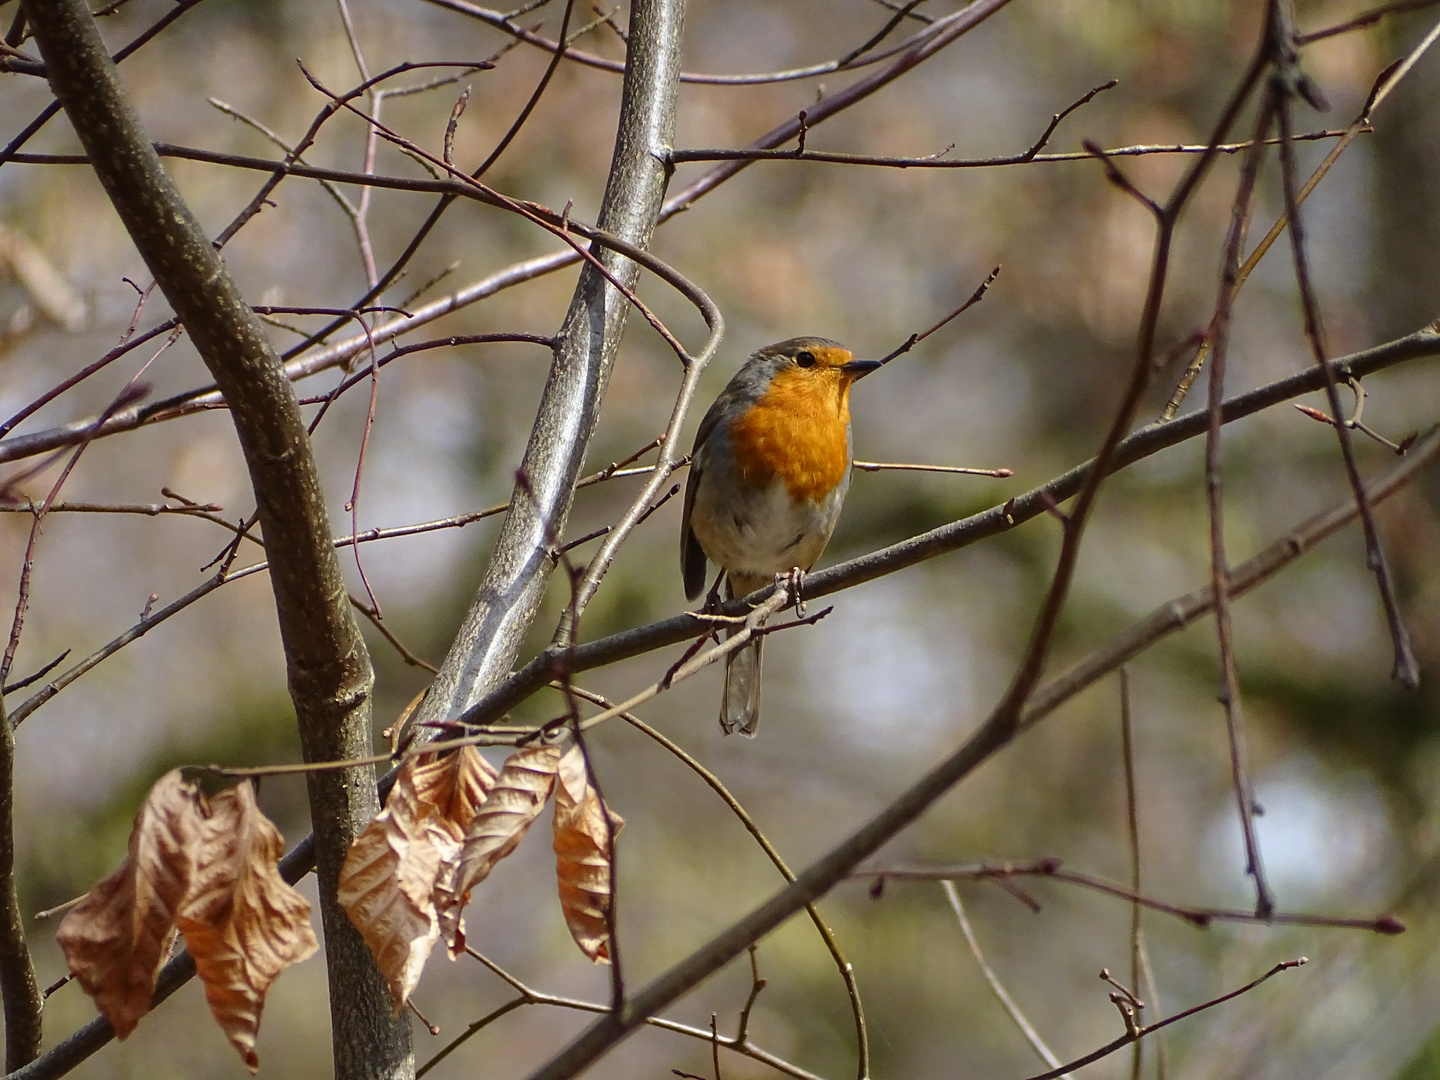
(1214,492)
(915,339)
(126,344)
(1197,916)
(132,391)
(1289,80)
(1137,1032)
(928,161)
(1364,19)
(1055,120)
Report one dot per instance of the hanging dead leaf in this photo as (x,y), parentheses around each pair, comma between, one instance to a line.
(519,794)
(583,845)
(457,784)
(117,937)
(242,923)
(389,881)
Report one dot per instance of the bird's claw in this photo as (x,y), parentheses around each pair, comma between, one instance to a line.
(793,580)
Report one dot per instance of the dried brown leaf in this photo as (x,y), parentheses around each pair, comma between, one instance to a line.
(583,845)
(117,937)
(519,794)
(456,784)
(242,923)
(391,874)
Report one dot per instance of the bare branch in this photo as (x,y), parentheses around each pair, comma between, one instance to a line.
(847,973)
(1199,917)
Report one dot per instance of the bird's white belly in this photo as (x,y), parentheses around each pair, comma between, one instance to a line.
(765,532)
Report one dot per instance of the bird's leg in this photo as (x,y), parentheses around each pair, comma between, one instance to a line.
(712,598)
(794,581)
(710,610)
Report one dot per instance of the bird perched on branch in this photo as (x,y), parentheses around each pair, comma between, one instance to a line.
(770,469)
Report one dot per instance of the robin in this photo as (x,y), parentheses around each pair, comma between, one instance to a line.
(770,468)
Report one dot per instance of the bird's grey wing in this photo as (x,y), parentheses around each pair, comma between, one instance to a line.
(692,555)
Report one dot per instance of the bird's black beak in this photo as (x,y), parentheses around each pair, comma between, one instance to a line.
(858,369)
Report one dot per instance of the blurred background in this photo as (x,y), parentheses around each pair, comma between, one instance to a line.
(1345,763)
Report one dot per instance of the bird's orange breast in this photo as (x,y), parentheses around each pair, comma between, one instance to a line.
(798,431)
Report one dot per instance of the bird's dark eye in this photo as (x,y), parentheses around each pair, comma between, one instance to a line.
(805,358)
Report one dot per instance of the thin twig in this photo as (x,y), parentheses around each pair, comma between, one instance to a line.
(1199,917)
(939,160)
(1406,669)
(847,973)
(1384,84)
(1132,830)
(126,344)
(529,107)
(200,510)
(996,986)
(1368,18)
(914,339)
(34,677)
(377,98)
(1140,1033)
(1055,120)
(529,996)
(1214,492)
(891,466)
(942,160)
(406,654)
(329,186)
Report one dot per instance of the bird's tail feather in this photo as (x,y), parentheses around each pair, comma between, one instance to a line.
(740,704)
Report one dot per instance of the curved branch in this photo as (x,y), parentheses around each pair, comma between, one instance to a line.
(329,669)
